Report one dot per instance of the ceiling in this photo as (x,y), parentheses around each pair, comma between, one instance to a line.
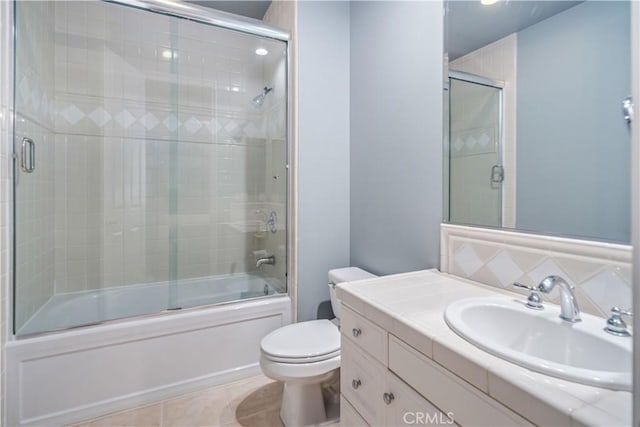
(469,25)
(250,8)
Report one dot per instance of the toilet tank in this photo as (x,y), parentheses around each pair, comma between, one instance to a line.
(340,275)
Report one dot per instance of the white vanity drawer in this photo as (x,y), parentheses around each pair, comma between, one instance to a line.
(363,332)
(451,394)
(362,381)
(409,408)
(349,417)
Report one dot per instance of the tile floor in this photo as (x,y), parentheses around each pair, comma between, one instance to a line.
(253,402)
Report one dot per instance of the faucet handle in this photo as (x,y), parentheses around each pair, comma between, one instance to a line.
(617,310)
(615,324)
(533,301)
(523,286)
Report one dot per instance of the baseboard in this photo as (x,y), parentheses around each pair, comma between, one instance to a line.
(147,397)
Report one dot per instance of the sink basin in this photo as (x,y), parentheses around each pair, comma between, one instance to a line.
(539,340)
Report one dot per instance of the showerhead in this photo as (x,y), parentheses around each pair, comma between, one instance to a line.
(259,100)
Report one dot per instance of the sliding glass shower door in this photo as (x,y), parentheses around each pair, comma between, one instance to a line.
(145,178)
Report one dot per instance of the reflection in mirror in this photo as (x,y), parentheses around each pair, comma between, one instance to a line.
(545,148)
(475,112)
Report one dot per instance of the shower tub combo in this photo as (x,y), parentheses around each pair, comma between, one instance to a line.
(150,204)
(62,378)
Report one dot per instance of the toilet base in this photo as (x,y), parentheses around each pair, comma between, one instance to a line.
(302,404)
(305,404)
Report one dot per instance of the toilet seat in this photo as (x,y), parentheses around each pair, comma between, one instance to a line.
(305,372)
(304,342)
(294,360)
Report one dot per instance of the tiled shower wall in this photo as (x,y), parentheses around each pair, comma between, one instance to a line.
(601,272)
(35,119)
(121,147)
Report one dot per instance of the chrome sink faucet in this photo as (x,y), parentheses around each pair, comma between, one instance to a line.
(569,310)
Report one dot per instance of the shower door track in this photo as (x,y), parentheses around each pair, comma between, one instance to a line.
(205,15)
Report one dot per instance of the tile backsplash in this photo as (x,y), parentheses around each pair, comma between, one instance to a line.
(601,272)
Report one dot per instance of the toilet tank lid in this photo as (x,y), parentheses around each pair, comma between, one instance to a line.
(348,274)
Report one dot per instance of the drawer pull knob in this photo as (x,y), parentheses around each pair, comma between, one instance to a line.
(388,398)
(356,384)
(356,332)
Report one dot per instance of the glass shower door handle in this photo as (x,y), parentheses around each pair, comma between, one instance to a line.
(497,174)
(28,155)
(627,109)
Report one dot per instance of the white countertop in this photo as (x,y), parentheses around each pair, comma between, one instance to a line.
(411,307)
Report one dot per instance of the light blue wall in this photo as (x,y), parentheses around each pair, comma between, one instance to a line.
(396,135)
(370,140)
(323,148)
(572,144)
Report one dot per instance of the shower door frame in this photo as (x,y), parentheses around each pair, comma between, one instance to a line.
(200,15)
(483,81)
(208,16)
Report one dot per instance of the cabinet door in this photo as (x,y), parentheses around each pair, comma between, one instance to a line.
(349,417)
(366,334)
(469,405)
(362,381)
(404,406)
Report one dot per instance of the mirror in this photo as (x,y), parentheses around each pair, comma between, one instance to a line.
(535,138)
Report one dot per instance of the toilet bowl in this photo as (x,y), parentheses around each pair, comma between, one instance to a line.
(304,355)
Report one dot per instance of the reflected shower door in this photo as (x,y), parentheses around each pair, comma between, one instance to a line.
(475,156)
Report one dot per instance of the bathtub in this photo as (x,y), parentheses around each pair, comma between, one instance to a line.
(76,374)
(63,311)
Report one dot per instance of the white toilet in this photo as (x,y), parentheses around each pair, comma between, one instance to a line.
(303,355)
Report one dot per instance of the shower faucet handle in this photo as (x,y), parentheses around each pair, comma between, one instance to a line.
(534,301)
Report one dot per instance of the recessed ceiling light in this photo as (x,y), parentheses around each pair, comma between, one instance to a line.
(489,2)
(168,54)
(261,51)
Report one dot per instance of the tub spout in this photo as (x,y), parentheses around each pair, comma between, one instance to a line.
(271,260)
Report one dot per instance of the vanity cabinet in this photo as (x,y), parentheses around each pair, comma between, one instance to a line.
(384,381)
